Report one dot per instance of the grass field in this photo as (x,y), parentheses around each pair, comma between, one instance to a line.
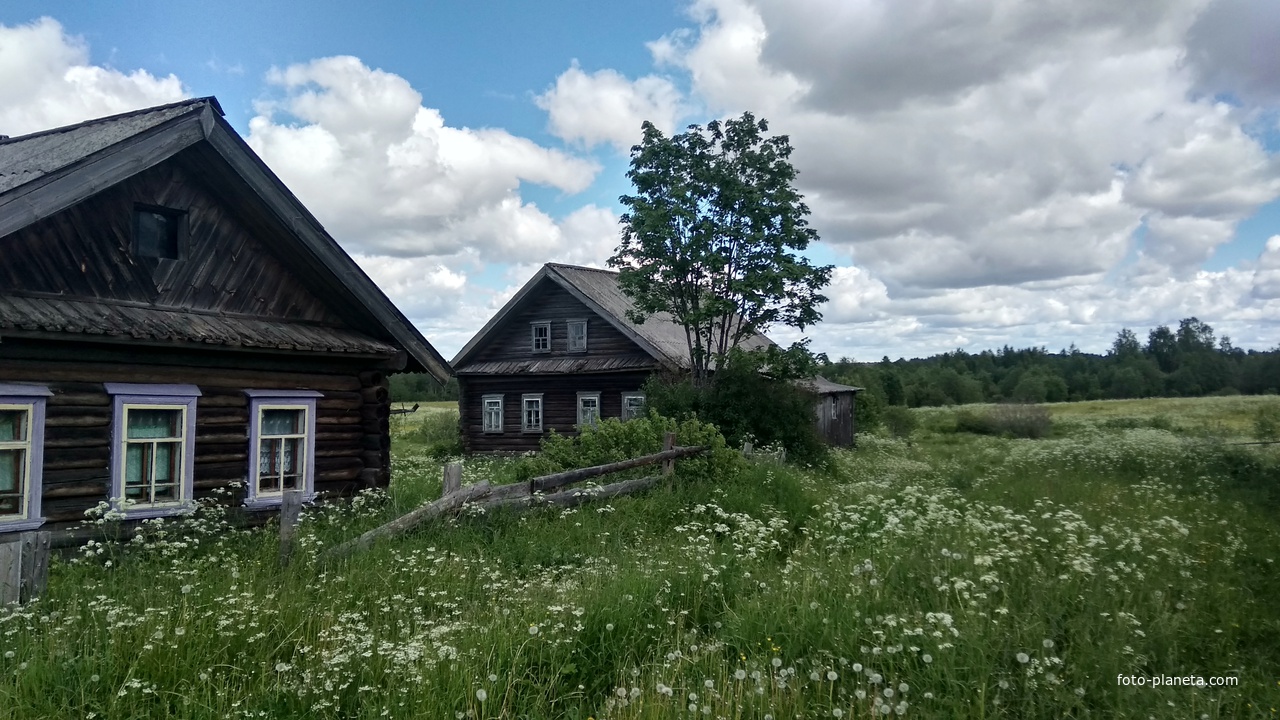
(949,575)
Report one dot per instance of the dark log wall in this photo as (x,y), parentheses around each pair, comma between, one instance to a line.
(85,252)
(559,405)
(352,440)
(513,340)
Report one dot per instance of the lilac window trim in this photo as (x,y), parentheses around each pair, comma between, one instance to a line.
(304,399)
(35,396)
(177,396)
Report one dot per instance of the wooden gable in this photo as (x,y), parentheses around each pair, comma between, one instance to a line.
(86,252)
(511,342)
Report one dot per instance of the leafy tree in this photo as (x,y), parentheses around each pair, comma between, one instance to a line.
(709,237)
(1162,345)
(1126,345)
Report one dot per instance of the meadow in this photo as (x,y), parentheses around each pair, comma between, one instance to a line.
(944,575)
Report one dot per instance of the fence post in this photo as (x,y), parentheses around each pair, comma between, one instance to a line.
(290,509)
(35,564)
(452,478)
(10,570)
(668,443)
(747,449)
(24,566)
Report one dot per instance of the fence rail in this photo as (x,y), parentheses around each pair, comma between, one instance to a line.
(522,495)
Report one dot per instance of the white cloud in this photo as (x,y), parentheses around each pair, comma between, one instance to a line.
(605,107)
(388,176)
(46,81)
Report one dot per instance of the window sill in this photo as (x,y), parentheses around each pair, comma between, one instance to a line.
(11,526)
(273,501)
(147,512)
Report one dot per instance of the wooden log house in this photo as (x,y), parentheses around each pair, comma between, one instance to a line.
(174,321)
(560,353)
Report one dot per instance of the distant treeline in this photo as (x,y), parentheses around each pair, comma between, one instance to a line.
(1186,362)
(416,387)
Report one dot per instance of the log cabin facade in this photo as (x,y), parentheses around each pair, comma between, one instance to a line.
(562,352)
(173,322)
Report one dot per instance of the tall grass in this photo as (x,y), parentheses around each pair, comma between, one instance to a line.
(958,576)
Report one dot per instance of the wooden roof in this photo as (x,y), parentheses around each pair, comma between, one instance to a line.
(659,335)
(46,172)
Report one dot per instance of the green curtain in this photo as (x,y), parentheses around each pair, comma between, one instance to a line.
(145,424)
(13,425)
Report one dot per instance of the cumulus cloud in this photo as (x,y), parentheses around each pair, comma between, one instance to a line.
(990,166)
(1232,49)
(46,81)
(605,107)
(389,176)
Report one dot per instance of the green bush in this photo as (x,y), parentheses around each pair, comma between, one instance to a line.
(612,440)
(1021,420)
(440,432)
(900,421)
(755,397)
(1266,424)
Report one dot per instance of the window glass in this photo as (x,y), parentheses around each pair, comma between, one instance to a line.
(588,409)
(12,475)
(533,413)
(632,406)
(13,425)
(154,423)
(152,455)
(280,449)
(493,414)
(156,233)
(577,335)
(541,337)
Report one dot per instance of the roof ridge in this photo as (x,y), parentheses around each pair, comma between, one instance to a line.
(209,99)
(581,267)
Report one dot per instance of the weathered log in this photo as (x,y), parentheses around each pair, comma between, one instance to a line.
(370,477)
(83,489)
(372,377)
(550,482)
(376,394)
(290,509)
(375,411)
(452,478)
(352,419)
(77,420)
(89,399)
(344,474)
(572,497)
(407,522)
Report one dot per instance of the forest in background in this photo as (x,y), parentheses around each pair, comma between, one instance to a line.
(1186,361)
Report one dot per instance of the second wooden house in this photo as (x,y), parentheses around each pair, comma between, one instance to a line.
(559,354)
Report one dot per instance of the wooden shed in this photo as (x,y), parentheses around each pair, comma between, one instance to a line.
(835,411)
(174,321)
(562,352)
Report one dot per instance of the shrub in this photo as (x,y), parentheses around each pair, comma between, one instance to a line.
(745,402)
(900,421)
(612,440)
(1266,424)
(1011,419)
(440,432)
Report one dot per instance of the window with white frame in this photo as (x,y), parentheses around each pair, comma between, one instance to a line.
(632,405)
(532,413)
(282,445)
(588,408)
(492,413)
(541,336)
(21,455)
(152,458)
(577,335)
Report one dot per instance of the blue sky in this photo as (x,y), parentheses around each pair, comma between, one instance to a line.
(992,173)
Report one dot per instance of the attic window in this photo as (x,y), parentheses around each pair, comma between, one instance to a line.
(541,336)
(158,232)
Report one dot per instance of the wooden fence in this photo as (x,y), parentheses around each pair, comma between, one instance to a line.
(549,490)
(24,566)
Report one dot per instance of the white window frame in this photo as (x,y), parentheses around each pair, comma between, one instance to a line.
(533,336)
(485,425)
(31,400)
(259,402)
(136,396)
(588,396)
(834,406)
(569,329)
(525,426)
(627,396)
